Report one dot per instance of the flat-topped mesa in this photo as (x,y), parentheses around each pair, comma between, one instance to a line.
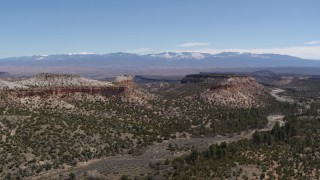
(45,85)
(124,80)
(46,80)
(127,82)
(232,90)
(235,84)
(231,82)
(209,78)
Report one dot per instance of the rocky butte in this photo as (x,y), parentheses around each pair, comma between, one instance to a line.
(44,85)
(232,90)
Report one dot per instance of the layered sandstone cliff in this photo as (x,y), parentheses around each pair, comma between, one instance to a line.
(45,85)
(230,90)
(236,92)
(61,91)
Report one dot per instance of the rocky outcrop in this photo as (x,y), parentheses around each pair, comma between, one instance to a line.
(235,92)
(44,85)
(125,81)
(235,84)
(61,91)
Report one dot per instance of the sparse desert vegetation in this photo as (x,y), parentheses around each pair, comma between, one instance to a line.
(159,90)
(167,128)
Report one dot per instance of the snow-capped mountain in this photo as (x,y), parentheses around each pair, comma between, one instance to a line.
(182,55)
(164,56)
(128,62)
(240,54)
(228,54)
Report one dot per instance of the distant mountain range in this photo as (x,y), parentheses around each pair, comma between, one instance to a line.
(128,62)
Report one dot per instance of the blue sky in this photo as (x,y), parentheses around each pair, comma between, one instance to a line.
(38,27)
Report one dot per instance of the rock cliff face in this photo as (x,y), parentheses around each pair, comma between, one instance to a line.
(231,90)
(235,84)
(236,92)
(44,85)
(56,91)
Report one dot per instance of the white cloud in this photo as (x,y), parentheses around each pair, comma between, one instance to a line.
(312,42)
(140,50)
(193,44)
(306,52)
